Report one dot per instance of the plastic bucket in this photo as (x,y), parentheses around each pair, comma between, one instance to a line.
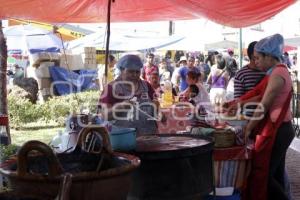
(123,139)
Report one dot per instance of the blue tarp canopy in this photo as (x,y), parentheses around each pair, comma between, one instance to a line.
(67,82)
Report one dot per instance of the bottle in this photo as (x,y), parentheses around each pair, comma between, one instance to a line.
(167,96)
(57,140)
(3,135)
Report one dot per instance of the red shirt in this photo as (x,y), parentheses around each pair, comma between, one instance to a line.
(108,96)
(147,71)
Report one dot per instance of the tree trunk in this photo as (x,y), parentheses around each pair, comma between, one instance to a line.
(3,71)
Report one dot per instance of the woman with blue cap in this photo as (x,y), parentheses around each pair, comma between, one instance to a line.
(128,100)
(270,126)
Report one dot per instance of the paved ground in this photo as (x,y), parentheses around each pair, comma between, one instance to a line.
(293,168)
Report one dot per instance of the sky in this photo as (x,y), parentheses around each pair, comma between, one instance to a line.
(287,23)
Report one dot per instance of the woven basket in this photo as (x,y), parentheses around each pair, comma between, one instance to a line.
(224,138)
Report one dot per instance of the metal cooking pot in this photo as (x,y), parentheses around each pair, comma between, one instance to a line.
(123,139)
(76,122)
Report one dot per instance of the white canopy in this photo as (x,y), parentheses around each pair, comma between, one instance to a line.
(186,44)
(27,38)
(123,42)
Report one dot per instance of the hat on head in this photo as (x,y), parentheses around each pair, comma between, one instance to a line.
(130,62)
(230,50)
(272,45)
(182,58)
(16,66)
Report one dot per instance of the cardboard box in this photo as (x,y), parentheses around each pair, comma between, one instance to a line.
(43,70)
(89,50)
(90,66)
(83,50)
(36,58)
(44,94)
(66,61)
(44,83)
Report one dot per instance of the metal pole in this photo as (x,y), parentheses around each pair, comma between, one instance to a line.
(171,27)
(107,38)
(240,48)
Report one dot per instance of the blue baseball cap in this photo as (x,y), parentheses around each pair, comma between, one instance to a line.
(272,45)
(130,62)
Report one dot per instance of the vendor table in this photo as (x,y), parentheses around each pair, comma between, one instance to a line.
(177,119)
(172,167)
(232,166)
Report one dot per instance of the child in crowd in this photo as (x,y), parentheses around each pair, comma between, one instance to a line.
(155,83)
(198,96)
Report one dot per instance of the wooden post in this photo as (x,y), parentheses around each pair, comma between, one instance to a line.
(3,71)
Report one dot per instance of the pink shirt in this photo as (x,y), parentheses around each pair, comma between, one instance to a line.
(282,96)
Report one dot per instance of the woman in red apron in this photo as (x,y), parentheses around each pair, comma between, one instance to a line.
(270,126)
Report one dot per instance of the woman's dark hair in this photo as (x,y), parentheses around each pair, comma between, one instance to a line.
(221,62)
(111,58)
(250,49)
(193,75)
(231,67)
(194,90)
(201,58)
(150,55)
(210,60)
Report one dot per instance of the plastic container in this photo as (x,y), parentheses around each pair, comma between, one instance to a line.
(123,139)
(3,139)
(241,123)
(236,196)
(57,140)
(167,96)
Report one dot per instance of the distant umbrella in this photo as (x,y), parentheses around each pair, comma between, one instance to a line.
(288,48)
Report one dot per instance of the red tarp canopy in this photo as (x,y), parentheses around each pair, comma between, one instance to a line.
(234,13)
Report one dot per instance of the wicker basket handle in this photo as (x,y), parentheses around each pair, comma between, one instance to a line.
(95,131)
(53,163)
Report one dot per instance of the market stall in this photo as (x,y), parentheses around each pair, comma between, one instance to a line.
(231,155)
(177,119)
(95,11)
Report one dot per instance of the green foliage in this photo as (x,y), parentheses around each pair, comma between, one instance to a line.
(43,133)
(7,151)
(22,111)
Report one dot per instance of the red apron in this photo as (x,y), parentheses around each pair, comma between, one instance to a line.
(257,185)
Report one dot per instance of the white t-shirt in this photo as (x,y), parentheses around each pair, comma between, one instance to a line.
(174,75)
(203,98)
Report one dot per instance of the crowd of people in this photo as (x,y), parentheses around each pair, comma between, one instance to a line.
(216,80)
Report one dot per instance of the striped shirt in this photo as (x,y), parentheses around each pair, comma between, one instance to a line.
(245,80)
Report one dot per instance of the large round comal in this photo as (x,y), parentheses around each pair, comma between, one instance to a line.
(177,167)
